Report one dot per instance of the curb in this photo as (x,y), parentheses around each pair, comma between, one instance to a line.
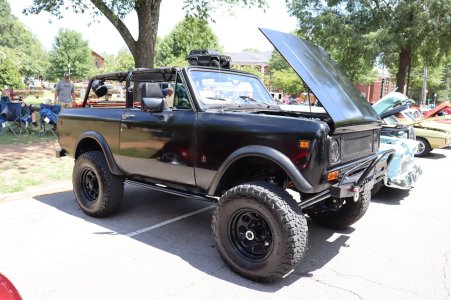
(53,188)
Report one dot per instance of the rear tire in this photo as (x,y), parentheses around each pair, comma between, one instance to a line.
(193,62)
(214,63)
(98,192)
(423,147)
(346,215)
(259,231)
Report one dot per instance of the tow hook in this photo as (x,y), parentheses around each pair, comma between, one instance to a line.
(356,191)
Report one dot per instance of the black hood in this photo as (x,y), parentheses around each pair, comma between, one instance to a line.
(342,101)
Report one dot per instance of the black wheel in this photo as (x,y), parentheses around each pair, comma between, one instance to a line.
(193,62)
(214,63)
(259,231)
(98,192)
(423,147)
(376,188)
(346,215)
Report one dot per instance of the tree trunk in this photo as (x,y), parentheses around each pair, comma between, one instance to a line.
(148,11)
(148,16)
(404,59)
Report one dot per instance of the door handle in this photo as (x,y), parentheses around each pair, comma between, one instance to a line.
(127,116)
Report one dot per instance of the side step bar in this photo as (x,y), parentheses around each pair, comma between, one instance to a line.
(166,189)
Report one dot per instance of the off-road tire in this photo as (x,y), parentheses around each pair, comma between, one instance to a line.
(98,192)
(214,63)
(286,235)
(193,62)
(423,148)
(346,215)
(377,187)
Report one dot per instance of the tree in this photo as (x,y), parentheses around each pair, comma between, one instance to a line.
(287,81)
(70,52)
(148,12)
(122,61)
(28,54)
(191,33)
(360,33)
(9,72)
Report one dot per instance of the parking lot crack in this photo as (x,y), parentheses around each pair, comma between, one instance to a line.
(336,287)
(381,284)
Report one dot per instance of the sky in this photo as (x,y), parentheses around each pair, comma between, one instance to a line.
(236,31)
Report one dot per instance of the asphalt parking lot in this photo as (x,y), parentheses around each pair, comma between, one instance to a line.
(160,247)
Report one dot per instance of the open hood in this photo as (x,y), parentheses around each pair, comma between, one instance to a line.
(391,101)
(445,107)
(391,112)
(342,101)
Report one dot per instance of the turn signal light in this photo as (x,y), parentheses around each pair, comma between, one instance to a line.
(333,175)
(304,144)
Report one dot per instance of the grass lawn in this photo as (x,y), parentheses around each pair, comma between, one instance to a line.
(21,174)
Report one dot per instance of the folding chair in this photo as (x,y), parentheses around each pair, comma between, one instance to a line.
(49,116)
(3,114)
(15,121)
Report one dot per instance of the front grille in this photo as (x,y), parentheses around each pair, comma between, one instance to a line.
(356,145)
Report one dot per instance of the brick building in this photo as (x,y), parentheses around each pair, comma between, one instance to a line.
(98,59)
(379,88)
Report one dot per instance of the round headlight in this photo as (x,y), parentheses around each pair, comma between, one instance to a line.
(334,152)
(376,141)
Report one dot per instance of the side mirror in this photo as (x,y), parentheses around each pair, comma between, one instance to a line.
(154,104)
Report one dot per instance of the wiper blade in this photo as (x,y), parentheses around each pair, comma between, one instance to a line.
(215,98)
(247,99)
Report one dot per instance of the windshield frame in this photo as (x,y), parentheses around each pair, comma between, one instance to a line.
(246,103)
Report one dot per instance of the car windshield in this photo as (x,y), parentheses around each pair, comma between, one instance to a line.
(230,90)
(392,121)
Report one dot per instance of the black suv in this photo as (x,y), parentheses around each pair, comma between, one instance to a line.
(221,137)
(209,58)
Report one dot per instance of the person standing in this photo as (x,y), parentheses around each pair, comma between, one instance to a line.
(64,92)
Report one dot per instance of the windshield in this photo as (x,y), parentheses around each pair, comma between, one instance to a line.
(230,90)
(392,121)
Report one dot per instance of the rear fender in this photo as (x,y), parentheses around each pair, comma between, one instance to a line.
(85,143)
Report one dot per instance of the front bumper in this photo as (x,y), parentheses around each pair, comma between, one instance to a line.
(406,179)
(363,181)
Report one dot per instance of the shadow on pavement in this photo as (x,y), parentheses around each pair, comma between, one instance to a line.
(190,238)
(432,155)
(390,196)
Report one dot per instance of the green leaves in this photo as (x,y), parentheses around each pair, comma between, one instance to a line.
(360,33)
(70,51)
(191,33)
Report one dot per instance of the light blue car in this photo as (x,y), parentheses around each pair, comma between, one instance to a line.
(403,170)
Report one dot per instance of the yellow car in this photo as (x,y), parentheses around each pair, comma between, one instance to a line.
(429,134)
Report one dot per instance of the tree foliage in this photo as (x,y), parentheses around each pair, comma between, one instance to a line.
(69,48)
(191,33)
(122,61)
(9,71)
(360,33)
(147,11)
(28,54)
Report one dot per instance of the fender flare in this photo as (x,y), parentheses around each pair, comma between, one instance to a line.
(271,154)
(105,149)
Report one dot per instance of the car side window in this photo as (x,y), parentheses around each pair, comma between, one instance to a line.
(181,100)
